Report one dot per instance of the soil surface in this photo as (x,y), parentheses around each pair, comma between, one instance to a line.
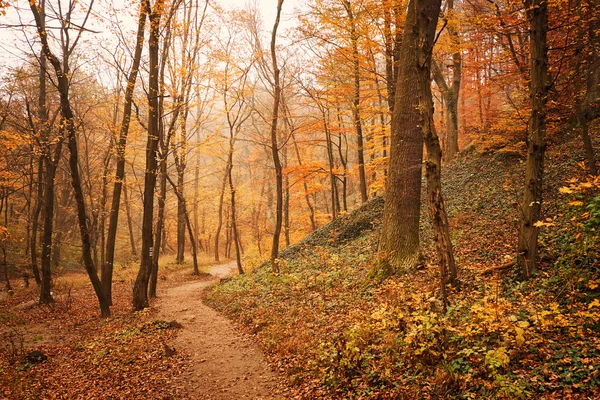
(224,363)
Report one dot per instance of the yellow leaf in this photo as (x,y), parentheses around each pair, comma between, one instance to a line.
(565,190)
(519,338)
(575,203)
(594,303)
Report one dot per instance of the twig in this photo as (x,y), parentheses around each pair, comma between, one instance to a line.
(499,267)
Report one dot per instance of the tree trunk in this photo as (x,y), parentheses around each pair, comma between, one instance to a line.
(527,249)
(311,208)
(451,92)
(335,198)
(588,107)
(62,77)
(450,99)
(356,103)
(399,244)
(433,173)
(238,256)
(140,289)
(113,220)
(590,154)
(6,278)
(50,162)
(196,195)
(392,11)
(188,223)
(286,201)
(159,238)
(181,206)
(275,146)
(344,162)
(220,214)
(129,219)
(86,249)
(227,234)
(181,219)
(44,130)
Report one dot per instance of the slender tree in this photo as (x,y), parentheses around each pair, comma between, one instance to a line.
(107,268)
(140,289)
(358,125)
(451,91)
(433,164)
(527,248)
(63,76)
(275,145)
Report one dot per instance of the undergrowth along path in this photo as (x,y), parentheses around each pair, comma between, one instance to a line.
(224,363)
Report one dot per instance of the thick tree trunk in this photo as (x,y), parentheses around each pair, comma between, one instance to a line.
(113,219)
(537,12)
(399,244)
(140,289)
(393,12)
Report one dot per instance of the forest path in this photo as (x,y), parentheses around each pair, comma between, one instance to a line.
(225,364)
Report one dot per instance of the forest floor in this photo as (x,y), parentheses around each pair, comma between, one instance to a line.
(340,330)
(177,349)
(224,363)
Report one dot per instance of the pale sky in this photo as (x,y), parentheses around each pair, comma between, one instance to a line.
(13,46)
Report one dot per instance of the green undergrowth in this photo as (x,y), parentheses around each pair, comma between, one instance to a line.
(338,333)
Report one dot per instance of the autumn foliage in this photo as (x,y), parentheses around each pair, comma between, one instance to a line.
(132,134)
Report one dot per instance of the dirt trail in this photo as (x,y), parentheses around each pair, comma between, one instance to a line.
(225,364)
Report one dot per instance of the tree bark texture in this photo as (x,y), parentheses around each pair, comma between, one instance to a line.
(451,91)
(63,74)
(113,219)
(360,153)
(399,243)
(433,173)
(275,146)
(140,289)
(238,256)
(527,249)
